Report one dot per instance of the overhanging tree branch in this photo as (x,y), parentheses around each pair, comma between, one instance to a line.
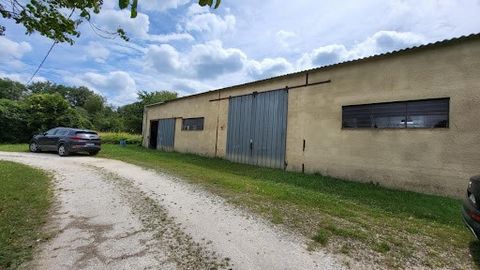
(46,18)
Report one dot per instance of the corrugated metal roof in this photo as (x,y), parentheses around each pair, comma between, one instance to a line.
(444,42)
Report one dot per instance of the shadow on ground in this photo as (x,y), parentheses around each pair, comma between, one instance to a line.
(475,252)
(71,154)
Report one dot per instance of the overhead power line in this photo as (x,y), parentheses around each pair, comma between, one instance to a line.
(48,53)
(43,61)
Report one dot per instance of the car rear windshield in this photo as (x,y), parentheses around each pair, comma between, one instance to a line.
(86,132)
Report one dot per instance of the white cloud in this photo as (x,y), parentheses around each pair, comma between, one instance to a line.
(285,37)
(385,41)
(197,9)
(185,86)
(208,23)
(111,20)
(161,5)
(138,27)
(22,77)
(324,56)
(170,37)
(211,60)
(203,61)
(380,42)
(268,67)
(118,86)
(97,52)
(163,58)
(11,52)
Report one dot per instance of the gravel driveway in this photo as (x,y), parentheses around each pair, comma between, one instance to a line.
(113,215)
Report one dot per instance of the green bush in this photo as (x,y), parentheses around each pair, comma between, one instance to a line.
(115,137)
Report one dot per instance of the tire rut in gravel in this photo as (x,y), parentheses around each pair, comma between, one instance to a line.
(181,248)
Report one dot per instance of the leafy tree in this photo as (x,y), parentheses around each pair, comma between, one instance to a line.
(53,18)
(45,111)
(76,96)
(12,122)
(156,96)
(11,89)
(94,104)
(42,87)
(109,120)
(84,119)
(132,114)
(26,110)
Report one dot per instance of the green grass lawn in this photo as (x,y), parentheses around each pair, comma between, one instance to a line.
(25,197)
(397,228)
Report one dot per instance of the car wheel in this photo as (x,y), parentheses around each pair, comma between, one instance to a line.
(63,151)
(34,147)
(93,153)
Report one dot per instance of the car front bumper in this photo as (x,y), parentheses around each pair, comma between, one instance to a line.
(471,224)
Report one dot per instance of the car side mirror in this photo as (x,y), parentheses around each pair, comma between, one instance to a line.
(44,133)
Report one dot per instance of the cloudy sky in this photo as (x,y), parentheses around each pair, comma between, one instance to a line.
(177,45)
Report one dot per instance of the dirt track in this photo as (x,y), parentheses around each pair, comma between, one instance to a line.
(114,215)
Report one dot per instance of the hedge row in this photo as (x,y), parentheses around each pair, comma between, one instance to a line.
(115,137)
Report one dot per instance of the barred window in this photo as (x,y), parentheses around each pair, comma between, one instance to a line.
(431,113)
(193,123)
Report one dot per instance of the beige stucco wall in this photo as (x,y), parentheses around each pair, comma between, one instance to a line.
(427,160)
(199,142)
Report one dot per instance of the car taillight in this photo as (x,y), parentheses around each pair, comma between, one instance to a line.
(76,138)
(474,216)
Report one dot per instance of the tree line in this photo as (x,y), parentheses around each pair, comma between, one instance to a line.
(30,109)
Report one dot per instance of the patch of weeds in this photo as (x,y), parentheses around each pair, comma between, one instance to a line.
(322,236)
(346,248)
(347,232)
(412,230)
(381,247)
(396,241)
(277,217)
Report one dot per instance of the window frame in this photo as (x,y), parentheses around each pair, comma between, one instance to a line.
(193,118)
(406,127)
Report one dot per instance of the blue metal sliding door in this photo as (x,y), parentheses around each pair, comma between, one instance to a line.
(257,125)
(166,134)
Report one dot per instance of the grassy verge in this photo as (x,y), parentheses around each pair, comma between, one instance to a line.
(14,147)
(25,198)
(391,228)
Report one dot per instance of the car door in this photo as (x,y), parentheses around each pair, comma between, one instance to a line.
(57,136)
(53,138)
(42,140)
(48,140)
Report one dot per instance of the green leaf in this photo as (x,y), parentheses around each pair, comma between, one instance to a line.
(133,11)
(209,3)
(123,3)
